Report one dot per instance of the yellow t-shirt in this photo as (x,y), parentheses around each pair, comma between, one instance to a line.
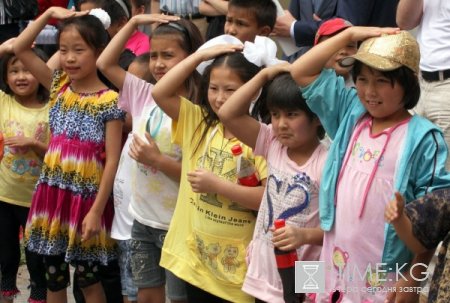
(20,167)
(208,235)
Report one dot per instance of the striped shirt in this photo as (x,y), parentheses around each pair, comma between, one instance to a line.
(181,7)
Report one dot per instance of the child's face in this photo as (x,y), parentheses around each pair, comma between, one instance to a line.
(242,24)
(21,82)
(333,62)
(76,56)
(87,6)
(138,69)
(380,98)
(166,52)
(294,129)
(223,82)
(136,10)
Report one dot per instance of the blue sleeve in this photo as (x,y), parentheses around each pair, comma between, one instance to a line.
(331,101)
(429,170)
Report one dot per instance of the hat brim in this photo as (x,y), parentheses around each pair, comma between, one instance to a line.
(374,61)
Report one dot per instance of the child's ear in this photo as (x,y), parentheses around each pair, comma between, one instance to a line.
(265,31)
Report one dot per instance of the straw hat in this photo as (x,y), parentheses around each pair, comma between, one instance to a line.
(388,52)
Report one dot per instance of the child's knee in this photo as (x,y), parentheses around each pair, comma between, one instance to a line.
(57,273)
(86,274)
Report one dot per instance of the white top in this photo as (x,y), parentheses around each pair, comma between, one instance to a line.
(433,36)
(154,194)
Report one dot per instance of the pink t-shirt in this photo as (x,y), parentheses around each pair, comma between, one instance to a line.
(289,187)
(353,249)
(139,43)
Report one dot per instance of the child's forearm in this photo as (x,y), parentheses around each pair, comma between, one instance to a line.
(309,66)
(246,196)
(313,236)
(409,13)
(403,228)
(39,147)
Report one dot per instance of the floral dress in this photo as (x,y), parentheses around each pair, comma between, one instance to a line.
(71,174)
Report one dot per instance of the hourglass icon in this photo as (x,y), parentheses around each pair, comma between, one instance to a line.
(310,270)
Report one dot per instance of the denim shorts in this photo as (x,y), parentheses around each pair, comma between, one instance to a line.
(146,245)
(126,278)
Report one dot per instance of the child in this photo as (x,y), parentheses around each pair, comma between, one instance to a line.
(212,222)
(368,127)
(422,224)
(140,68)
(71,210)
(138,43)
(295,157)
(248,18)
(329,29)
(24,126)
(154,181)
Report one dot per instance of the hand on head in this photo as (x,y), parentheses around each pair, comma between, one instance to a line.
(153,18)
(360,33)
(8,46)
(394,209)
(64,13)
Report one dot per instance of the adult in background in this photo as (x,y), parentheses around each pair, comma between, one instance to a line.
(432,21)
(186,9)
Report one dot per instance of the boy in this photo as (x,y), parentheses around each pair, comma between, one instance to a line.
(329,29)
(422,225)
(248,18)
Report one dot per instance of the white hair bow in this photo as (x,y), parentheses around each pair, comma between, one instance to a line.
(263,52)
(102,15)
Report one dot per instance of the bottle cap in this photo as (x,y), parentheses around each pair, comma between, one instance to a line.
(236,149)
(279,223)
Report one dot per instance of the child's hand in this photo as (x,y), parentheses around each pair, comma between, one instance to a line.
(145,151)
(274,70)
(203,181)
(394,209)
(142,19)
(90,226)
(64,13)
(287,238)
(217,50)
(360,33)
(19,142)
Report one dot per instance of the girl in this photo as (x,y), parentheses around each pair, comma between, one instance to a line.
(24,126)
(154,181)
(369,126)
(295,157)
(213,222)
(71,210)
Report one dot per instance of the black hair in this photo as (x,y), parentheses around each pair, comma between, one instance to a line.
(97,3)
(189,39)
(283,94)
(90,28)
(139,3)
(404,76)
(264,11)
(244,69)
(116,11)
(42,93)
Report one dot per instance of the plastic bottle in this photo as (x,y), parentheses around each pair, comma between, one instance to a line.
(246,172)
(286,269)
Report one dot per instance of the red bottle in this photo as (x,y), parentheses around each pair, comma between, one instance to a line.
(246,172)
(286,269)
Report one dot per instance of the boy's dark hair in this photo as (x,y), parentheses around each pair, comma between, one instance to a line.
(90,28)
(264,11)
(404,76)
(116,11)
(139,3)
(144,59)
(42,93)
(244,69)
(189,39)
(283,94)
(97,3)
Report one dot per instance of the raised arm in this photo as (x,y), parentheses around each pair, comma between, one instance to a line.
(409,13)
(108,62)
(309,66)
(23,43)
(234,113)
(213,7)
(7,47)
(165,91)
